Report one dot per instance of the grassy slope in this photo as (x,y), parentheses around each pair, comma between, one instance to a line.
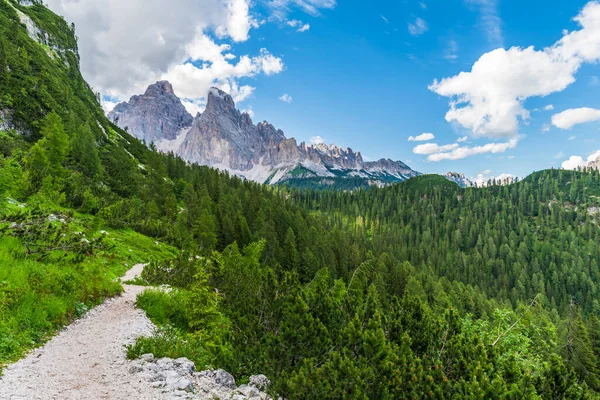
(38,296)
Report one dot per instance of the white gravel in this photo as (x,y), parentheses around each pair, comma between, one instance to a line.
(87,359)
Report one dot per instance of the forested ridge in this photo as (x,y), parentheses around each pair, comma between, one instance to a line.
(417,290)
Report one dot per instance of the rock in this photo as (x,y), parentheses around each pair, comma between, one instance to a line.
(158,384)
(249,391)
(224,379)
(180,383)
(185,365)
(149,357)
(260,382)
(165,363)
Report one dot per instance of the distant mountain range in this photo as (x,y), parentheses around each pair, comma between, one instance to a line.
(226,138)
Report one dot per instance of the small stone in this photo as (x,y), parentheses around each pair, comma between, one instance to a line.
(134,369)
(165,363)
(180,384)
(149,357)
(157,384)
(260,382)
(248,391)
(225,379)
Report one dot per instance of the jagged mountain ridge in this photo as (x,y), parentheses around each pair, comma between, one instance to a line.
(227,139)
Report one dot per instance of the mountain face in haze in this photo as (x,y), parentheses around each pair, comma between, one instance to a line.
(157,114)
(225,138)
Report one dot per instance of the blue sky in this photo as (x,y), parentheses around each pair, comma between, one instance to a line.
(361,74)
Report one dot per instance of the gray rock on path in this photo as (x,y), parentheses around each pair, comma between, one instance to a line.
(177,379)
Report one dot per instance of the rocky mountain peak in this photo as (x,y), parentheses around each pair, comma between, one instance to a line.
(160,88)
(218,100)
(157,114)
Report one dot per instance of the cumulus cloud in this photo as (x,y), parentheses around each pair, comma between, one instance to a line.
(549,107)
(462,139)
(489,99)
(575,116)
(418,27)
(304,28)
(576,162)
(455,151)
(286,98)
(422,137)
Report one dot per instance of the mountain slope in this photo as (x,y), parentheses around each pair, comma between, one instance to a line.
(225,138)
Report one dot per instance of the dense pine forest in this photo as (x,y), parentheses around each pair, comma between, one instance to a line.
(417,290)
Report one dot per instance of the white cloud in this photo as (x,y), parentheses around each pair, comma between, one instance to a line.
(454,151)
(108,105)
(549,107)
(312,7)
(575,116)
(422,137)
(194,106)
(489,99)
(192,81)
(572,137)
(451,52)
(423,5)
(384,19)
(575,162)
(434,148)
(489,19)
(418,27)
(296,23)
(545,128)
(317,140)
(462,139)
(123,50)
(286,98)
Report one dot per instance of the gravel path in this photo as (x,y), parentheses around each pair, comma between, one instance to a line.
(87,359)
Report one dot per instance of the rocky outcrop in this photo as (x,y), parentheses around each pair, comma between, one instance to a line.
(157,114)
(179,378)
